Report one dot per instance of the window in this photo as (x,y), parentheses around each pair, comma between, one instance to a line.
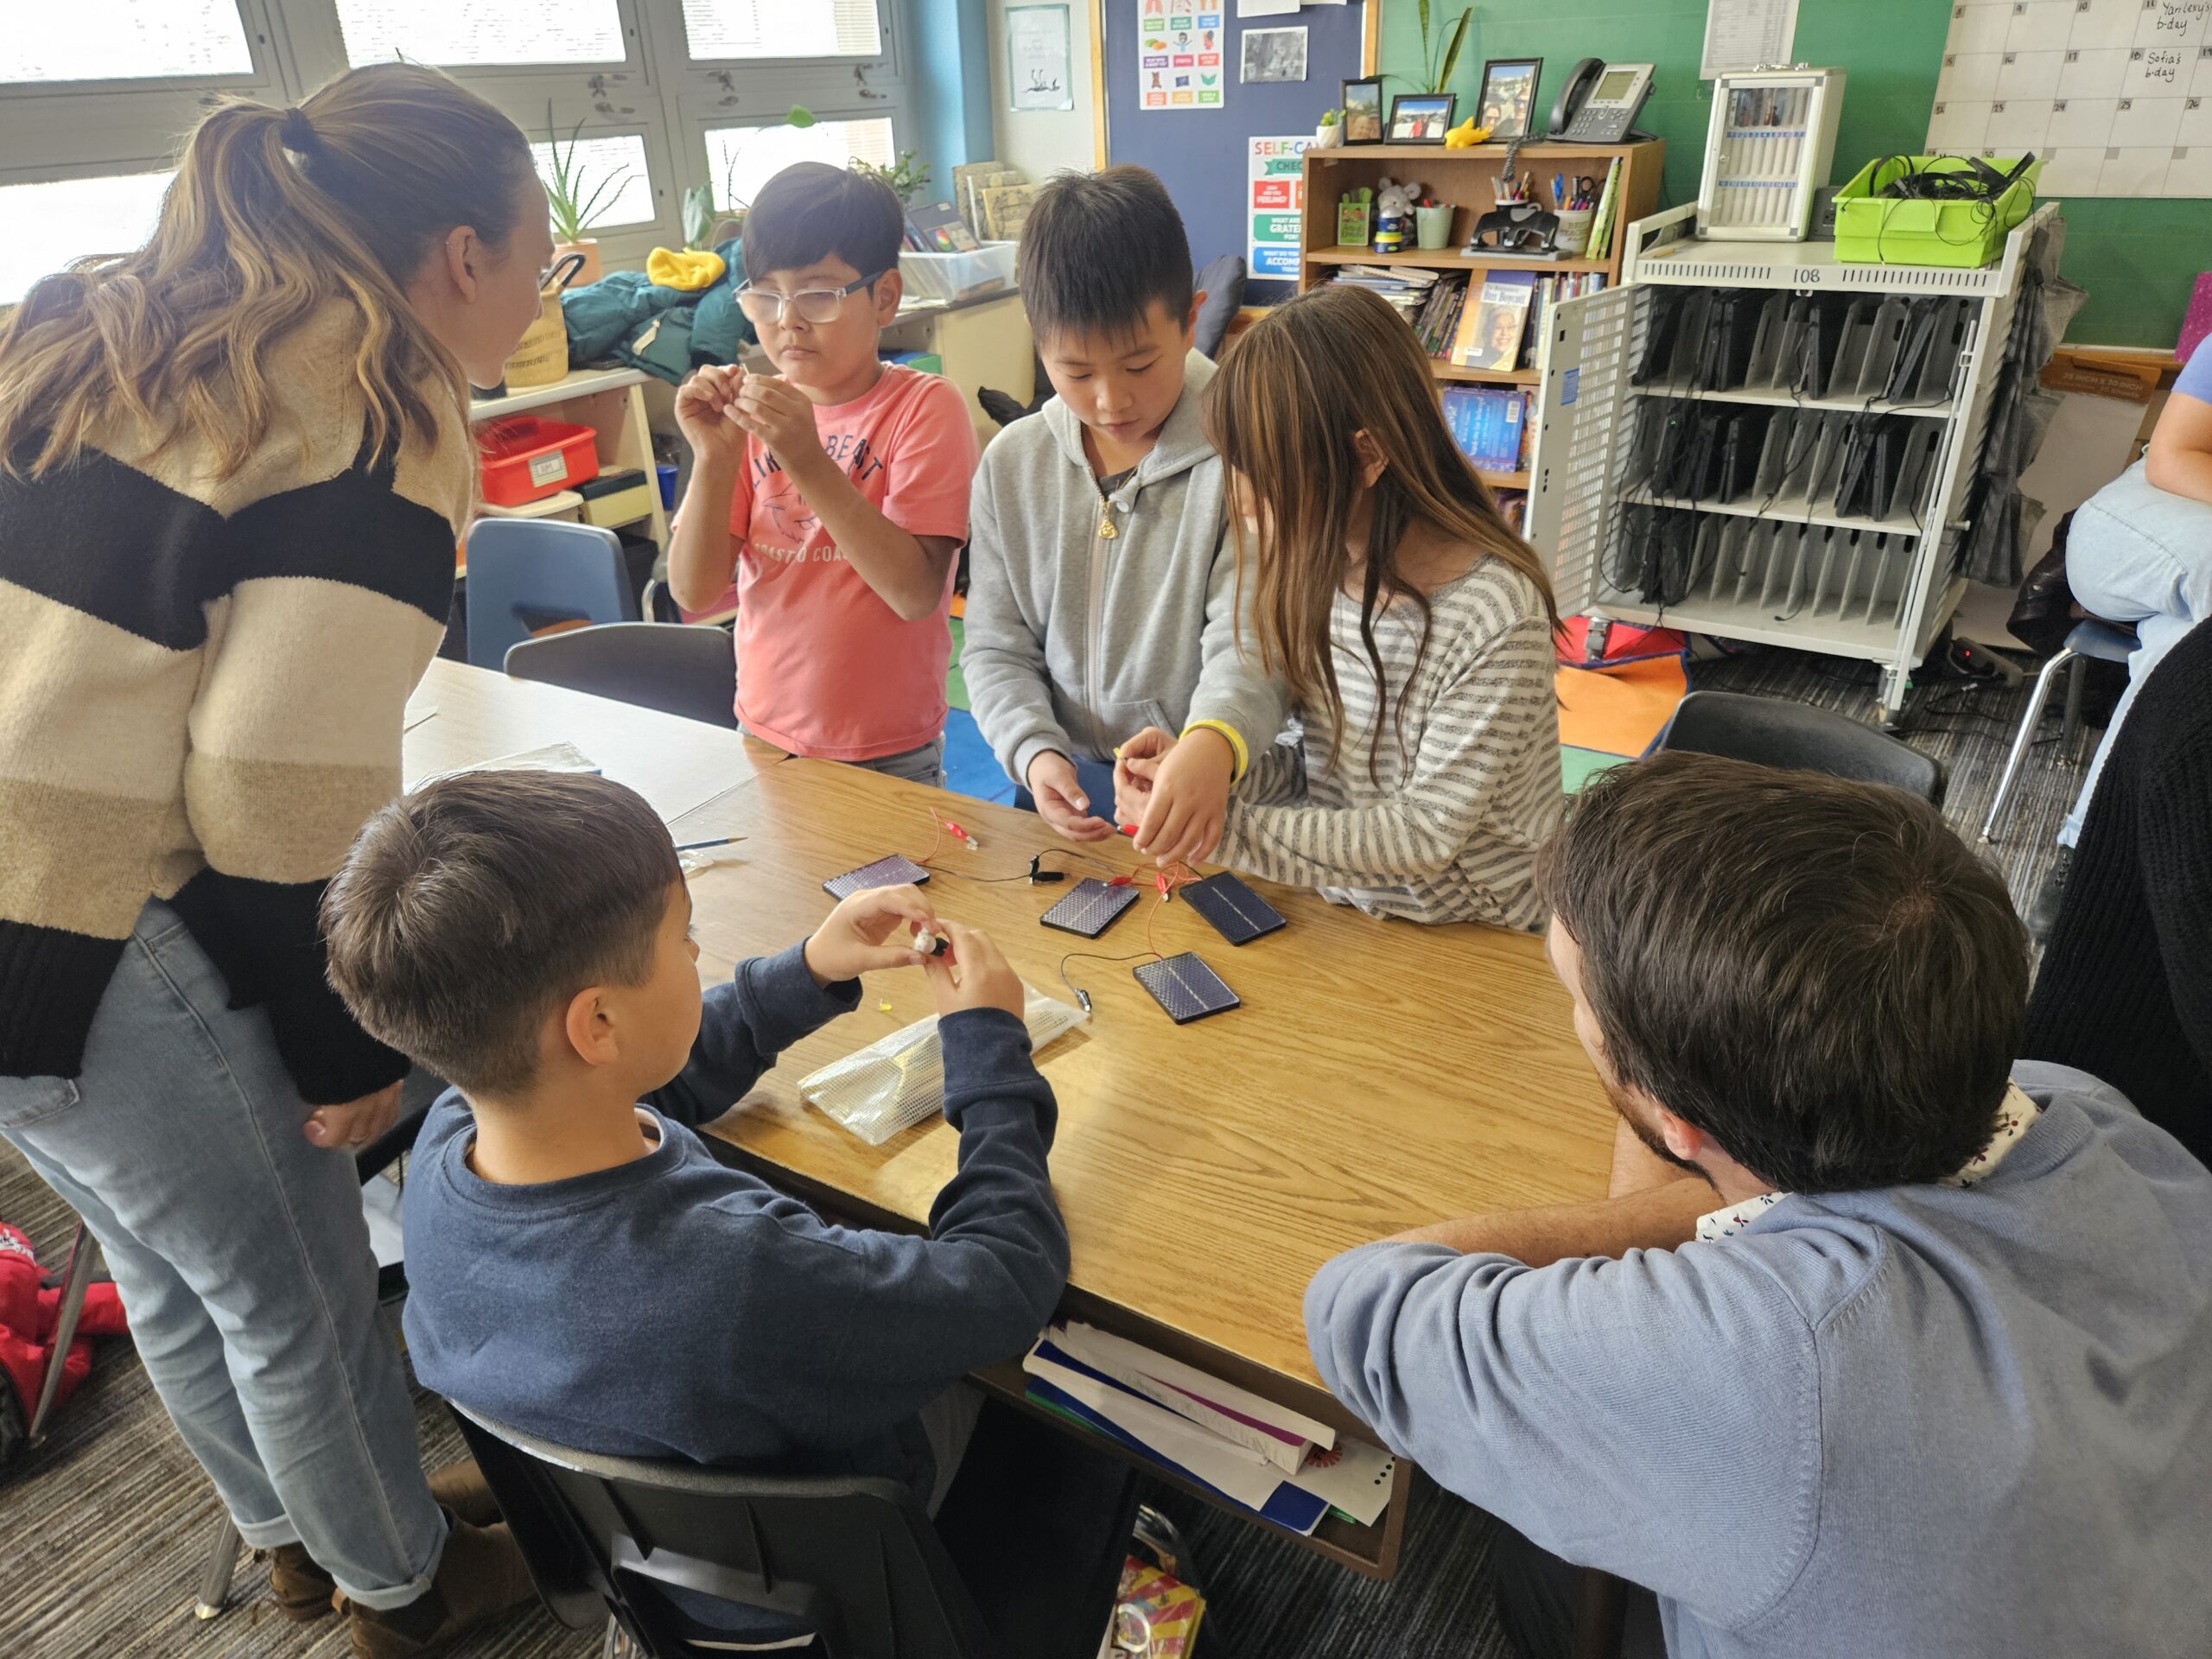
(124,40)
(611,168)
(740,159)
(49,224)
(721,29)
(481,34)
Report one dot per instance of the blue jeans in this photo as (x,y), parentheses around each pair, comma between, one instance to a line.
(2137,554)
(243,1262)
(922,766)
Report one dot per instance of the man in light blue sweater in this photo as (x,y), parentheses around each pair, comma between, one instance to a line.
(1915,1359)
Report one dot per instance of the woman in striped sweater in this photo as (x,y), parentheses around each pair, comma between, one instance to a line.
(1412,627)
(232,467)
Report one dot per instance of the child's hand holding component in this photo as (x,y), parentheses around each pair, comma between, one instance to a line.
(857,938)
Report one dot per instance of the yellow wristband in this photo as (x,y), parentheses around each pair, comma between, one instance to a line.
(1235,742)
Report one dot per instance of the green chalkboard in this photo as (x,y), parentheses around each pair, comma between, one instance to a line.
(2137,258)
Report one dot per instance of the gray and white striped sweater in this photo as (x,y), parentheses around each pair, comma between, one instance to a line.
(1446,828)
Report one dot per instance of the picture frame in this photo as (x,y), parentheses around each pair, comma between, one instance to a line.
(1420,117)
(1507,104)
(1362,120)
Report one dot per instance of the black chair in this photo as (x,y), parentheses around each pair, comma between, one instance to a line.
(1773,731)
(1040,1523)
(680,669)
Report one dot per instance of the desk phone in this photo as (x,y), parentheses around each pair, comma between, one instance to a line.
(1600,102)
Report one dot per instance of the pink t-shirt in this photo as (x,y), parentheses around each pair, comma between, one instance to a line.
(824,666)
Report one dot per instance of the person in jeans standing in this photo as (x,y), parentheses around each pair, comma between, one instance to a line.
(233,466)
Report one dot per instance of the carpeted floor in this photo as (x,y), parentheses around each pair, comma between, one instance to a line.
(107,1525)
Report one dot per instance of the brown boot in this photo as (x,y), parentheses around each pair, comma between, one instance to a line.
(460,1489)
(301,1589)
(481,1576)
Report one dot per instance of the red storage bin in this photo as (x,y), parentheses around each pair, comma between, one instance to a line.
(525,459)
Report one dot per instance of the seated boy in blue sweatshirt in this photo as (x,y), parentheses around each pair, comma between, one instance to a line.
(580,1267)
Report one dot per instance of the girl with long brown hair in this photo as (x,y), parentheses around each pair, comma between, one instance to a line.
(234,465)
(1412,626)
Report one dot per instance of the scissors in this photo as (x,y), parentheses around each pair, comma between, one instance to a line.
(1586,191)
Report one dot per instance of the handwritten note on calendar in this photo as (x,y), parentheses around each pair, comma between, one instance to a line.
(2114,95)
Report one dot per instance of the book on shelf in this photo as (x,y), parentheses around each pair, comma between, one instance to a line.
(1490,424)
(939,228)
(1513,507)
(1439,314)
(1550,290)
(1601,223)
(1255,1454)
(966,179)
(1490,330)
(1006,208)
(1406,296)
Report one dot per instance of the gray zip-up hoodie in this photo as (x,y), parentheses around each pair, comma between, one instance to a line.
(1090,618)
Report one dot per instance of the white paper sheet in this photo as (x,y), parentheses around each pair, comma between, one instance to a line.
(1266,7)
(1748,35)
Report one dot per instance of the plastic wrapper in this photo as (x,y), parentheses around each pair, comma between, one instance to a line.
(897,1081)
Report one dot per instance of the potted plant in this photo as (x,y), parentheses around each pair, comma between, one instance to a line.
(575,201)
(1327,132)
(907,177)
(705,225)
(1440,55)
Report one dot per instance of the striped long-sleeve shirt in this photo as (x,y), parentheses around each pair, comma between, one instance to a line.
(202,680)
(1446,827)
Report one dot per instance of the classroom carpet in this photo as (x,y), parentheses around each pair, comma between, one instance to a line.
(107,1524)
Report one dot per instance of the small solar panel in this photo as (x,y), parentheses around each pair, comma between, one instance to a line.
(1237,913)
(1186,988)
(1091,908)
(890,871)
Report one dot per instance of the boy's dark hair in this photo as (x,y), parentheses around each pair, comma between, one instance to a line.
(811,212)
(1097,249)
(472,908)
(1815,972)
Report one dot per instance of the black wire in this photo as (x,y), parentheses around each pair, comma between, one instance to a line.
(1029,875)
(1076,990)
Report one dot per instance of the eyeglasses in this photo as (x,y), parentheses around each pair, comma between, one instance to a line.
(813,304)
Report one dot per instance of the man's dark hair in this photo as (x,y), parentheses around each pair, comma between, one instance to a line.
(1815,972)
(1097,249)
(471,909)
(811,212)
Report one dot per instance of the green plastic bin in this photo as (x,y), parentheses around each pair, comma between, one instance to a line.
(1874,230)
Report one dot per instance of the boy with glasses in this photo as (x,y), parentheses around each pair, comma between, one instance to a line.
(835,492)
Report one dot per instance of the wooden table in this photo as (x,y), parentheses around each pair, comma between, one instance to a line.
(1377,1076)
(462,717)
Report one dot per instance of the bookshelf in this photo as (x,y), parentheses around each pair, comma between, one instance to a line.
(1466,178)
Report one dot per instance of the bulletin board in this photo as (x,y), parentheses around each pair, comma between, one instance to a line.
(1202,156)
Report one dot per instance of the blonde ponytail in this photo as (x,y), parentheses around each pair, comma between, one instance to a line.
(273,215)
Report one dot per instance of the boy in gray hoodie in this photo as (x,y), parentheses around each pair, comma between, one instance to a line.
(1102,589)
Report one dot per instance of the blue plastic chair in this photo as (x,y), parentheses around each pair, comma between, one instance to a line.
(546,567)
(2090,640)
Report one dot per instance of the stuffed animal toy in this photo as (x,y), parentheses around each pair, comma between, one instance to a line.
(1394,213)
(1466,136)
(29,1308)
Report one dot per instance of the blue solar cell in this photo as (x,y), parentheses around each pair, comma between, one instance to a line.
(892,872)
(1186,988)
(1237,913)
(1089,908)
